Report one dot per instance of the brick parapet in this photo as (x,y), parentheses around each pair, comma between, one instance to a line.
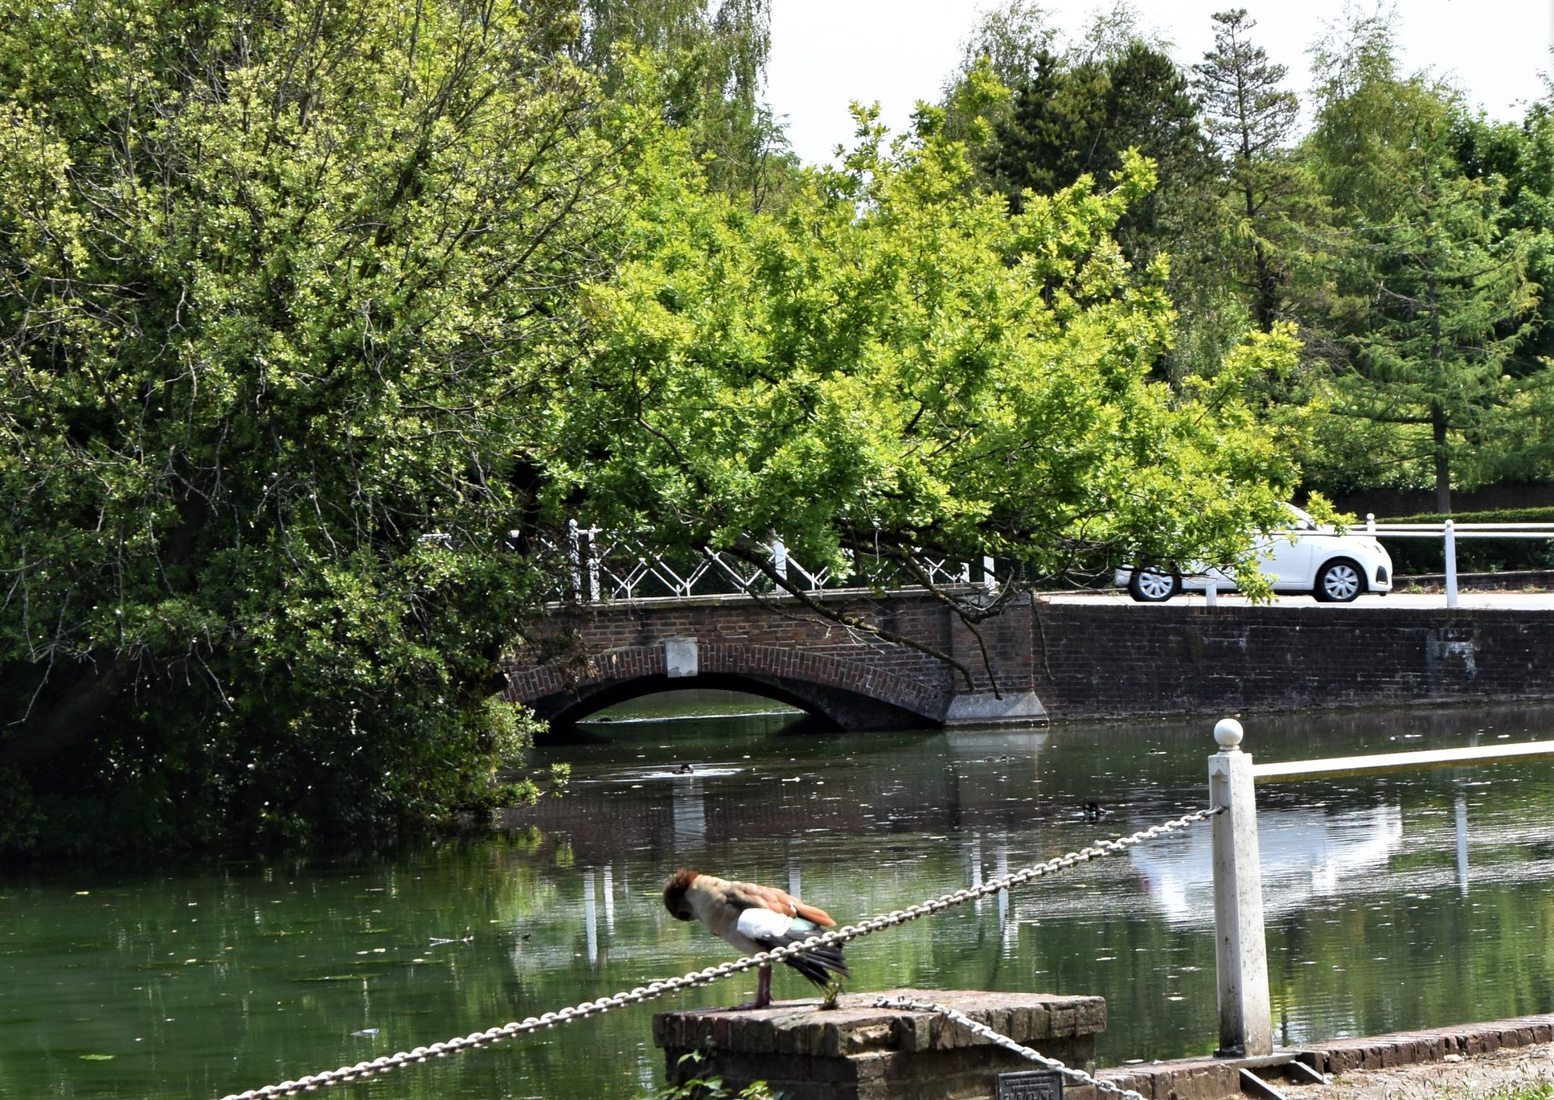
(1073,660)
(580,649)
(1113,660)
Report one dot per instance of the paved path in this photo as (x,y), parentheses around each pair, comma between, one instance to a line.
(1456,1062)
(1521,601)
(1502,1073)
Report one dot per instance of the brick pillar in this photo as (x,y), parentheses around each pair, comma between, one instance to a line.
(998,651)
(858,1051)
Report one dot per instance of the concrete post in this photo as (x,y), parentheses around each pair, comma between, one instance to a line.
(574,559)
(1241,956)
(1450,536)
(593,564)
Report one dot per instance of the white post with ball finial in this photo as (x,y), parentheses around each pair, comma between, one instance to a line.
(1241,956)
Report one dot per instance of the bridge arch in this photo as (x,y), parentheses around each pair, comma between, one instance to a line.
(846,694)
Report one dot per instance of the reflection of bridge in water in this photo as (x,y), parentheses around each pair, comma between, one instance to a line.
(674,815)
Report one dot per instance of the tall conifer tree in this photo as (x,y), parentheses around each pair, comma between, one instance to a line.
(1431,292)
(1250,117)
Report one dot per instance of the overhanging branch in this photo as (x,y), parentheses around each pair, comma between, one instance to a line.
(832,613)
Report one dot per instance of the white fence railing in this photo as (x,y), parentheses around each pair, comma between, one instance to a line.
(610,566)
(1450,531)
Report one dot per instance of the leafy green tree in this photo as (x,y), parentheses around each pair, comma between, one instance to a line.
(1012,39)
(1077,112)
(1151,106)
(712,59)
(1007,47)
(898,369)
(280,287)
(317,317)
(1448,296)
(1079,115)
(1518,161)
(1431,293)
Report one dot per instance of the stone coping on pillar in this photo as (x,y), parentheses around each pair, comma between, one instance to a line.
(861,1050)
(858,1024)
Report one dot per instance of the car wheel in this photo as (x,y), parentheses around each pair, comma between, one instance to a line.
(1339,581)
(1151,584)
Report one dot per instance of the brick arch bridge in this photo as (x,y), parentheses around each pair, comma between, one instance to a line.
(594,655)
(1051,657)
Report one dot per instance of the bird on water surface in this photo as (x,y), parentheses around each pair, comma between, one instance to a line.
(754,919)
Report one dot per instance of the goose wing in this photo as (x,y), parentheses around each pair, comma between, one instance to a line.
(751,895)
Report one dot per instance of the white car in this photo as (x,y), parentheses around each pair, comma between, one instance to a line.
(1306,559)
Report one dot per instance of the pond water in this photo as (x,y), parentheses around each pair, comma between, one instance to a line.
(1391,903)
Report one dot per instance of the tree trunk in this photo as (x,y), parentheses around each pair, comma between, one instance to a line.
(1442,459)
(1265,302)
(77,711)
(1437,407)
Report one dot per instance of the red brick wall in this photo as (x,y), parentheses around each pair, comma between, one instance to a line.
(1082,660)
(1127,659)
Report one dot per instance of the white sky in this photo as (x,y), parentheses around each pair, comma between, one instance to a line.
(826,53)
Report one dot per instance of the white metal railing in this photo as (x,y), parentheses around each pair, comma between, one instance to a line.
(1450,531)
(609,566)
(612,566)
(1241,962)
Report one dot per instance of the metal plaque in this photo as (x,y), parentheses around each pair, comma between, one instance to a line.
(1035,1084)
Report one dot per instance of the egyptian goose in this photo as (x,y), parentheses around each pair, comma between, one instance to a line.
(754,919)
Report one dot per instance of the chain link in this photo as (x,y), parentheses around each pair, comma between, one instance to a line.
(981,1029)
(654,990)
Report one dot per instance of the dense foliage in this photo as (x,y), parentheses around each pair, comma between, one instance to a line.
(1429,290)
(897,367)
(319,318)
(281,283)
(1405,236)
(1250,117)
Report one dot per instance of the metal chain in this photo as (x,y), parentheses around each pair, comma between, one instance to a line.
(981,1029)
(654,990)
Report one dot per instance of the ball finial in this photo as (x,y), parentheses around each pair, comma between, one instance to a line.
(1228,732)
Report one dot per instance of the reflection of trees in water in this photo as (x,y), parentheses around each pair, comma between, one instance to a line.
(1368,930)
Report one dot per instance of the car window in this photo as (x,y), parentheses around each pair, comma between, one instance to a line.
(1299,520)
